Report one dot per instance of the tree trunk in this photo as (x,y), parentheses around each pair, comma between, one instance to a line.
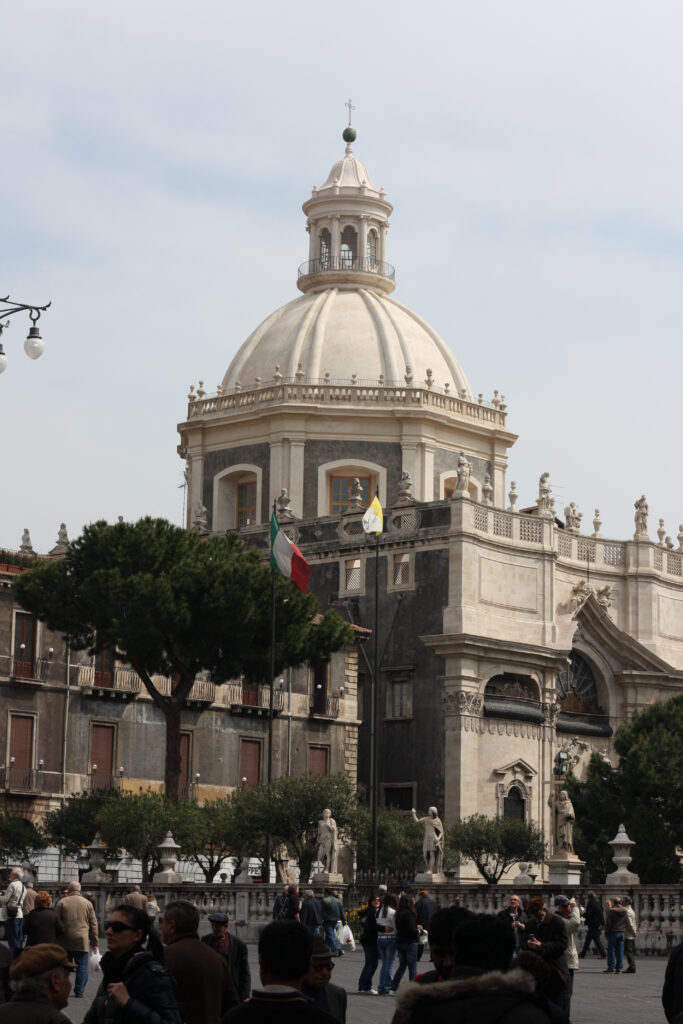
(172,771)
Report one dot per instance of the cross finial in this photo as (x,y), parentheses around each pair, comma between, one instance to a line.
(351,107)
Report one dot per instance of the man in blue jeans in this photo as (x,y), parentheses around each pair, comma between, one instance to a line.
(80,932)
(332,912)
(13,900)
(615,926)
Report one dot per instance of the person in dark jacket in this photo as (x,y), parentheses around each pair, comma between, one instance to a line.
(41,981)
(368,940)
(547,937)
(284,956)
(42,924)
(135,985)
(205,988)
(407,934)
(480,989)
(615,926)
(425,909)
(595,920)
(233,949)
(672,993)
(515,915)
(317,986)
(441,948)
(311,912)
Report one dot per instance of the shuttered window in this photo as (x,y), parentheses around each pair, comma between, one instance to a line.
(318,761)
(102,750)
(21,742)
(250,762)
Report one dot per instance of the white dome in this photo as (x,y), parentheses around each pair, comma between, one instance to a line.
(343,332)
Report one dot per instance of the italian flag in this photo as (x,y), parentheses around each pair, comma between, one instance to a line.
(286,557)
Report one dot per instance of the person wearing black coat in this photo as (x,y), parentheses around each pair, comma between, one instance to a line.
(595,919)
(368,940)
(672,993)
(547,936)
(407,935)
(234,950)
(515,916)
(135,984)
(42,924)
(311,912)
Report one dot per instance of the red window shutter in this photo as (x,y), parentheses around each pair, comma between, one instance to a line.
(102,749)
(250,761)
(318,760)
(21,742)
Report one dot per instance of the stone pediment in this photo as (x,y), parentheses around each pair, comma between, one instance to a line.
(518,767)
(624,654)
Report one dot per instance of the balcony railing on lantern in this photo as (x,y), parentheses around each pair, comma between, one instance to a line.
(324,706)
(31,669)
(245,699)
(22,780)
(101,782)
(347,262)
(122,680)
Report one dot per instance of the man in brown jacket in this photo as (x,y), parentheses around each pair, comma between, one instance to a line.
(205,989)
(136,898)
(40,978)
(80,932)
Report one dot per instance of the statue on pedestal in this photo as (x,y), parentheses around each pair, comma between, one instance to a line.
(327,842)
(432,846)
(642,511)
(462,478)
(564,821)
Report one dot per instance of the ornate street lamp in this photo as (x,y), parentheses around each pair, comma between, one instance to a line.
(33,346)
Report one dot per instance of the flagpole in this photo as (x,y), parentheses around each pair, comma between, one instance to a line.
(375,716)
(270,700)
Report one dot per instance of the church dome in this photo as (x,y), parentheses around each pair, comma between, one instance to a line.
(346,327)
(360,331)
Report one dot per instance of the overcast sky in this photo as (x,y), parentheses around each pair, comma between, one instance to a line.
(155,157)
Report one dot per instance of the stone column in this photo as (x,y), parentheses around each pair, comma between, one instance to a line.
(195,486)
(295,481)
(335,236)
(362,241)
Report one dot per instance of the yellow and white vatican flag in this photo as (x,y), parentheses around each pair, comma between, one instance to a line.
(373,520)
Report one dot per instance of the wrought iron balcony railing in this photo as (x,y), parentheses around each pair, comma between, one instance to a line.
(34,669)
(22,780)
(324,707)
(337,264)
(100,782)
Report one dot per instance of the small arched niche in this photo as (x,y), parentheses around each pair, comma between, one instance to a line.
(236,498)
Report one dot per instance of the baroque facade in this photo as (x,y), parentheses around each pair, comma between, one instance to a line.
(511,642)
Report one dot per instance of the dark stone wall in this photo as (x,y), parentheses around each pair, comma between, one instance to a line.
(444,460)
(317,453)
(252,454)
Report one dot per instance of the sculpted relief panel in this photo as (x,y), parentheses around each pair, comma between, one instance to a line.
(507,585)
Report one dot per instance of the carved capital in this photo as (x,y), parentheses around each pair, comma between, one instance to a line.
(463,702)
(550,712)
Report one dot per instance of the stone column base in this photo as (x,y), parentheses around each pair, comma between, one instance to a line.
(327,878)
(430,878)
(168,877)
(564,870)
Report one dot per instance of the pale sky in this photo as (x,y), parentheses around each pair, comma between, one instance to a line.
(155,158)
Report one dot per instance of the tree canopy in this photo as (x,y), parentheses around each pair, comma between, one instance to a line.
(172,603)
(495,844)
(19,838)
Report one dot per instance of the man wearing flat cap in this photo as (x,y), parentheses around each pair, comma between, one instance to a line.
(233,949)
(317,986)
(41,982)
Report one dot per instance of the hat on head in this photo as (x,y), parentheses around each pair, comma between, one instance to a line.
(218,918)
(320,948)
(36,959)
(561,901)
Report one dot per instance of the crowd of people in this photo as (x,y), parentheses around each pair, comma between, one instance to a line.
(516,966)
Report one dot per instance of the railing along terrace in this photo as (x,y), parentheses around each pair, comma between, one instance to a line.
(325,707)
(22,780)
(122,680)
(34,669)
(258,697)
(326,264)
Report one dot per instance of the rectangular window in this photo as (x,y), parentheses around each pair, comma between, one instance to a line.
(318,761)
(402,797)
(352,574)
(25,629)
(321,675)
(246,503)
(102,756)
(340,492)
(401,570)
(250,762)
(21,751)
(400,698)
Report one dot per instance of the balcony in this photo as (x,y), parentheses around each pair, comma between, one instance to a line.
(30,670)
(324,707)
(253,700)
(202,691)
(122,682)
(21,780)
(97,782)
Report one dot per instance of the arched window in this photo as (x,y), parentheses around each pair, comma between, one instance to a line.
(577,689)
(236,498)
(325,249)
(349,248)
(513,804)
(372,249)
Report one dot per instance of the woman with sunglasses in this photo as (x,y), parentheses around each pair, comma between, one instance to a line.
(136,986)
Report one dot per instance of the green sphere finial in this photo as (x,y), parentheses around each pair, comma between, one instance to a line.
(349,134)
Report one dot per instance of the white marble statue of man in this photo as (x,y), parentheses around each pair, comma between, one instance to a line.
(432,845)
(642,511)
(327,842)
(564,821)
